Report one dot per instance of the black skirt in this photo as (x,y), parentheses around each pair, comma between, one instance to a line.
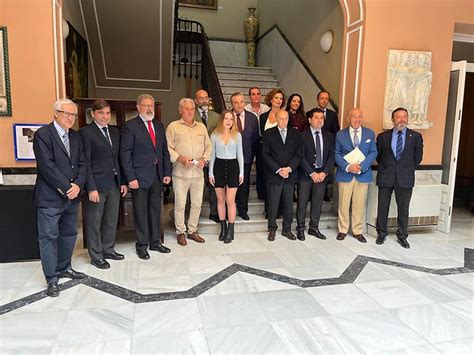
(226,172)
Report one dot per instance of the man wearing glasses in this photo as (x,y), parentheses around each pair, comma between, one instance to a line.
(146,165)
(61,176)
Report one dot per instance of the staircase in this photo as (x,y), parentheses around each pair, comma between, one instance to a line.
(233,79)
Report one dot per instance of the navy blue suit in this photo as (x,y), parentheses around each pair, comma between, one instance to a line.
(398,175)
(149,165)
(57,215)
(103,176)
(331,121)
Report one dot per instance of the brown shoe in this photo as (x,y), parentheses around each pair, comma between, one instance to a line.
(289,235)
(360,238)
(341,236)
(271,236)
(196,237)
(182,240)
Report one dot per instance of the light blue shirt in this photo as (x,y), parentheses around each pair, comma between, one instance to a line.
(394,140)
(59,129)
(231,150)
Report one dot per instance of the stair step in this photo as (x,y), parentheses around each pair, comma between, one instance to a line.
(252,76)
(245,70)
(243,88)
(248,83)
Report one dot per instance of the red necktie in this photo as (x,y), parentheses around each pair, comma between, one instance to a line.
(239,123)
(152,133)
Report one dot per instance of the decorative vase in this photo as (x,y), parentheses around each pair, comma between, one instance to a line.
(251,30)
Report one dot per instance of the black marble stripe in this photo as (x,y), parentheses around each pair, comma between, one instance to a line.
(349,275)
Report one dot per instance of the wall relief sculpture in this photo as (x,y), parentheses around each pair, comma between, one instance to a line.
(408,85)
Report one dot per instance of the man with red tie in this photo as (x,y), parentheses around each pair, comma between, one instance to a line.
(146,165)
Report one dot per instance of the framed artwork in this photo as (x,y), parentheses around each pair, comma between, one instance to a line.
(5,98)
(202,4)
(76,64)
(23,140)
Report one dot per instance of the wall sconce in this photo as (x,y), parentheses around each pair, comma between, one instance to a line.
(327,41)
(65,29)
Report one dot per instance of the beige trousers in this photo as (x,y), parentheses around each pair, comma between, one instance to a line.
(355,192)
(181,186)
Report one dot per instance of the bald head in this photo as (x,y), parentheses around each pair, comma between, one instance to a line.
(202,99)
(354,117)
(282,118)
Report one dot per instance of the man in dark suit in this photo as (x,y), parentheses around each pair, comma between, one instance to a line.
(281,155)
(61,176)
(146,166)
(331,121)
(400,151)
(248,126)
(103,186)
(316,163)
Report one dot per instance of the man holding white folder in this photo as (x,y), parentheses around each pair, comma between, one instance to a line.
(354,154)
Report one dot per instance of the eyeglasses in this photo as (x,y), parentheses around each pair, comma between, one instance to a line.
(68,114)
(147,106)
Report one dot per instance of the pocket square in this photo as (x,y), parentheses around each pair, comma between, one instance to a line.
(368,140)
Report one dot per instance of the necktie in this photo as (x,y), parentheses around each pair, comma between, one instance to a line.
(239,123)
(106,133)
(66,143)
(283,135)
(152,133)
(204,118)
(356,138)
(319,157)
(399,145)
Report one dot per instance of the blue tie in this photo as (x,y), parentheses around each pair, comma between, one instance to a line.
(399,145)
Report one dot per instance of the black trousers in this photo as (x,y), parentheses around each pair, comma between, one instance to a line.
(211,193)
(100,222)
(147,214)
(242,197)
(282,192)
(313,192)
(402,197)
(260,177)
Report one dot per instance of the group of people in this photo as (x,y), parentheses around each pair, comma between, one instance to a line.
(291,148)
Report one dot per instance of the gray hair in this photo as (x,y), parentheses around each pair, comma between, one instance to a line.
(142,97)
(58,103)
(185,100)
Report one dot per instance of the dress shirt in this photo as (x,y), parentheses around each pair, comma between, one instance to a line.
(102,131)
(313,133)
(191,142)
(60,130)
(359,134)
(263,108)
(232,150)
(394,140)
(242,118)
(145,122)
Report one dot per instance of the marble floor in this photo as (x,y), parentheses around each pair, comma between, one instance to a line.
(253,296)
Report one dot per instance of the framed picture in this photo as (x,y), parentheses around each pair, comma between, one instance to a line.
(76,64)
(5,98)
(23,139)
(202,4)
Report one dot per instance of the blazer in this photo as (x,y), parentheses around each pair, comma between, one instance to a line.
(56,169)
(402,171)
(344,145)
(139,158)
(101,159)
(277,154)
(331,123)
(250,137)
(308,159)
(212,120)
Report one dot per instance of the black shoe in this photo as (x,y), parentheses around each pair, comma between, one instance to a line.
(100,264)
(300,235)
(244,216)
(289,235)
(380,240)
(114,256)
(53,289)
(160,248)
(223,230)
(229,236)
(214,217)
(403,243)
(72,274)
(315,232)
(143,254)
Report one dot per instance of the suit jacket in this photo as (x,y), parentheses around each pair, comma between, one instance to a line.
(277,154)
(402,171)
(102,159)
(344,146)
(331,123)
(56,169)
(307,163)
(139,158)
(250,137)
(212,119)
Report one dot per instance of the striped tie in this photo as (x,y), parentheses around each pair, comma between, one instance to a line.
(356,138)
(66,143)
(399,145)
